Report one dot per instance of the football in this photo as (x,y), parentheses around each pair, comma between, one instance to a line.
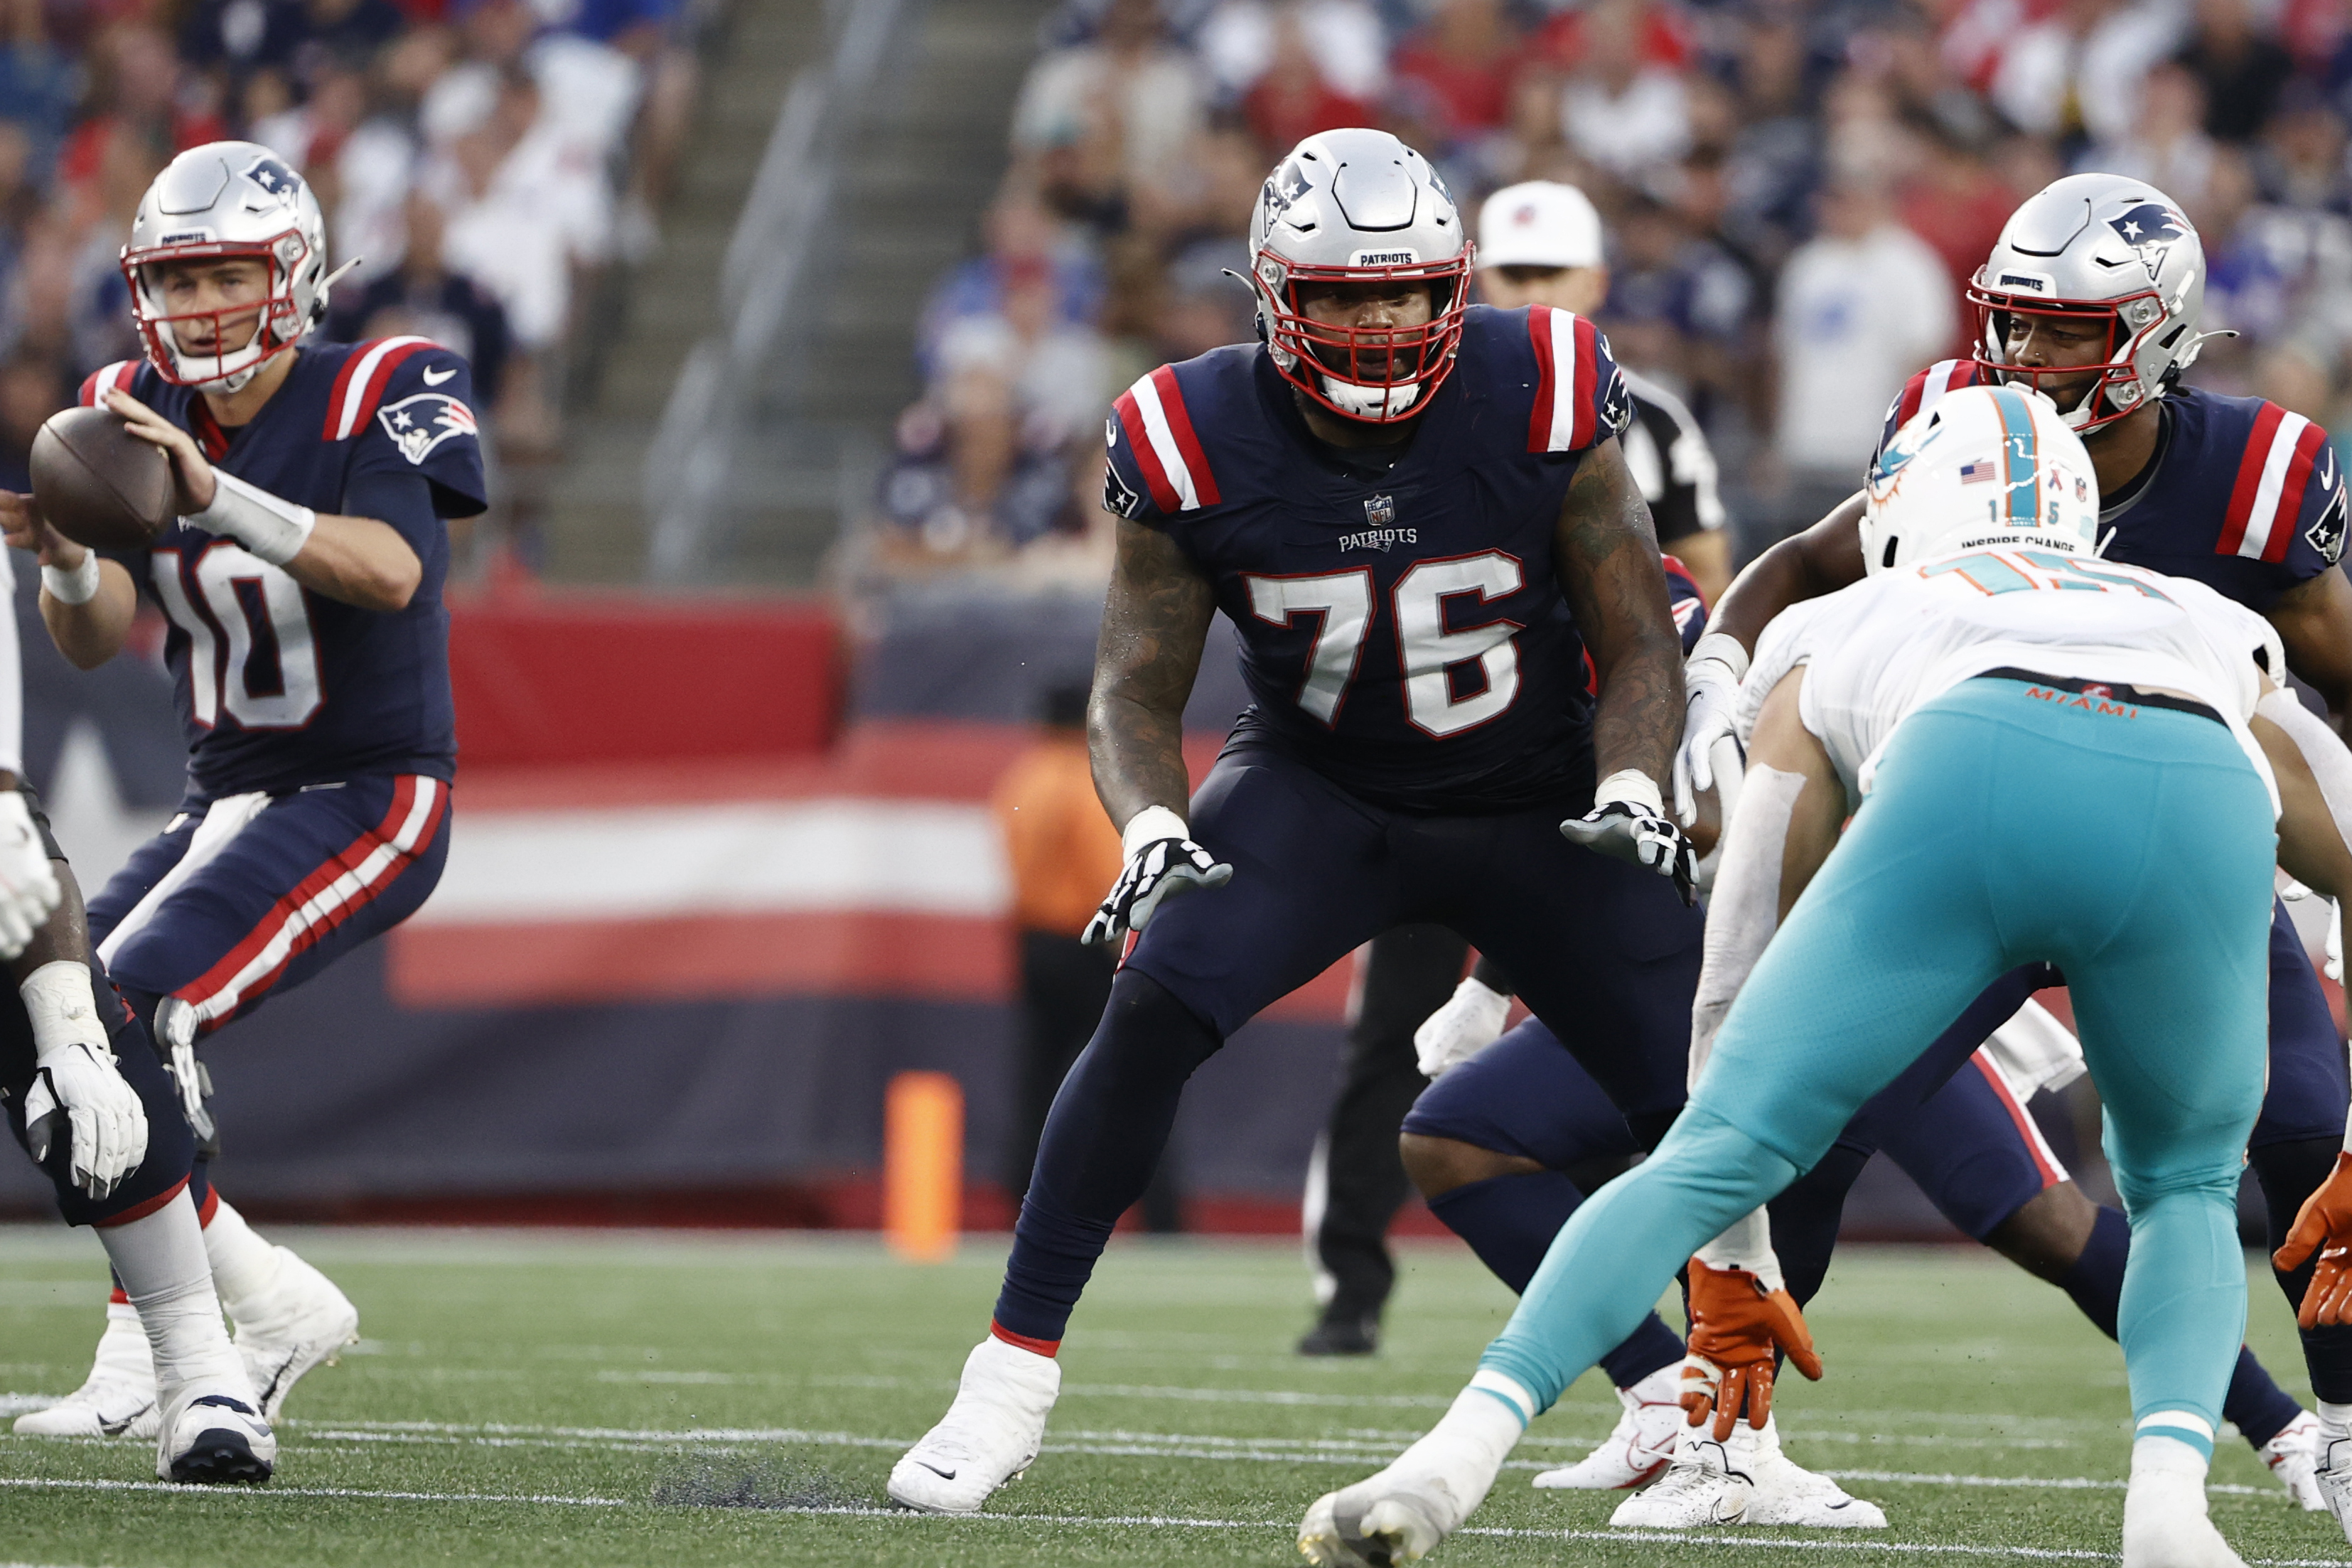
(97,484)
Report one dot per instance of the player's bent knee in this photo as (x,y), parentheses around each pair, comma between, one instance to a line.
(1438,1165)
(2045,1235)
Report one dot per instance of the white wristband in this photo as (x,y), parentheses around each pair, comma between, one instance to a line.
(1633,786)
(1725,649)
(272,529)
(79,587)
(1150,825)
(63,1009)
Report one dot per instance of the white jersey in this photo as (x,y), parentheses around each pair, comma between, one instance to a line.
(1880,649)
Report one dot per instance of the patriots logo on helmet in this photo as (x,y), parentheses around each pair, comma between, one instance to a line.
(1286,185)
(419,422)
(274,177)
(2152,229)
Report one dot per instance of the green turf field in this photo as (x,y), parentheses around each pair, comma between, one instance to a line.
(623,1399)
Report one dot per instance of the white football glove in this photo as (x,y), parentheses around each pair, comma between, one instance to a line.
(1161,862)
(1711,700)
(1629,822)
(1469,1022)
(28,883)
(80,1084)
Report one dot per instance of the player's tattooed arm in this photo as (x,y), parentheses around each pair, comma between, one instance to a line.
(1155,623)
(1607,558)
(1822,559)
(2315,621)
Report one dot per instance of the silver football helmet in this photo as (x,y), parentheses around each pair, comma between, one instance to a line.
(2105,246)
(228,198)
(1358,207)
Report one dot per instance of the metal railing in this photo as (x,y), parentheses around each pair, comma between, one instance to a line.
(689,467)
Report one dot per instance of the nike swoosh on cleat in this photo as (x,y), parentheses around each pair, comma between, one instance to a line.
(433,380)
(943,1475)
(117,1428)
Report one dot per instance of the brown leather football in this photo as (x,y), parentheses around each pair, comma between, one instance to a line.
(97,484)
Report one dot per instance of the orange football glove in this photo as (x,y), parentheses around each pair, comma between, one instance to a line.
(2323,1223)
(1736,1327)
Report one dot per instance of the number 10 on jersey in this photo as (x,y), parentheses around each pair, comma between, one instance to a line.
(1343,603)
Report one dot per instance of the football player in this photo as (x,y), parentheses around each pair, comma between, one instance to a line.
(1416,512)
(86,1095)
(301,583)
(2094,297)
(2019,733)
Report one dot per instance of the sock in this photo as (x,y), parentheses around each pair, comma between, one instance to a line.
(2336,1418)
(2289,1172)
(2096,1279)
(2255,1404)
(244,1265)
(1102,1141)
(1805,1219)
(1509,1221)
(2169,1468)
(2182,1319)
(161,1260)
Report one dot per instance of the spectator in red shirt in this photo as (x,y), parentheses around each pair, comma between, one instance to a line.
(1461,67)
(1292,101)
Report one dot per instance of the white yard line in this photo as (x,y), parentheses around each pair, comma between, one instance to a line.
(1737,1539)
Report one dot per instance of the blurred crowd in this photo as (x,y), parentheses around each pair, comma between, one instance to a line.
(1795,194)
(485,161)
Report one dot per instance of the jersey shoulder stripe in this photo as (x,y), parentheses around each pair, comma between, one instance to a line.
(1159,432)
(360,382)
(116,377)
(1926,389)
(2272,473)
(1568,362)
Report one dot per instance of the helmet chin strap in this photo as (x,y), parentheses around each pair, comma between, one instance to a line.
(1371,402)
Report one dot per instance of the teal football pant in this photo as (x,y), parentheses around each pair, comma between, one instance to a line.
(2007,823)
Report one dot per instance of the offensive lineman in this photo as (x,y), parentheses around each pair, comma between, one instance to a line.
(2046,758)
(1416,513)
(310,647)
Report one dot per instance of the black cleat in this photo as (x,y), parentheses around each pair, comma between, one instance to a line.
(1343,1334)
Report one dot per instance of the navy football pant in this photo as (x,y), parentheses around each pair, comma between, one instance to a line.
(1603,951)
(243,897)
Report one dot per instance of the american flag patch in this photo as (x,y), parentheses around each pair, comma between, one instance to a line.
(1979,471)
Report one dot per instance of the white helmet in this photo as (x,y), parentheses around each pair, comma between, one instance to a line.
(1358,207)
(228,198)
(1985,466)
(2112,249)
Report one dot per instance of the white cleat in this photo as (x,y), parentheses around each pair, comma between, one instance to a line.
(1640,1448)
(2165,1525)
(1709,1483)
(1789,1494)
(990,1434)
(2293,1458)
(299,1322)
(2333,1476)
(1400,1514)
(210,1434)
(117,1399)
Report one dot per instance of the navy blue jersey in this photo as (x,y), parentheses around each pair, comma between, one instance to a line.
(280,687)
(2241,495)
(1403,630)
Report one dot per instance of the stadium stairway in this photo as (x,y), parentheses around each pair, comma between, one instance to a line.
(921,163)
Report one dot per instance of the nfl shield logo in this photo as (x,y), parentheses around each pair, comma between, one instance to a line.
(1379,511)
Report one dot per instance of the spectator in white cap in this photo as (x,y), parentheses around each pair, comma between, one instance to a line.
(1540,243)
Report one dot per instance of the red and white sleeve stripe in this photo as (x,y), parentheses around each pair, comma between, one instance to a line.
(2272,477)
(1159,432)
(362,382)
(1926,389)
(115,377)
(1567,359)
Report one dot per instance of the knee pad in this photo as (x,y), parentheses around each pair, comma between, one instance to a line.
(171,1146)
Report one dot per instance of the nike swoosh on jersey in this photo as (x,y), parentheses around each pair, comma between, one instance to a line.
(433,380)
